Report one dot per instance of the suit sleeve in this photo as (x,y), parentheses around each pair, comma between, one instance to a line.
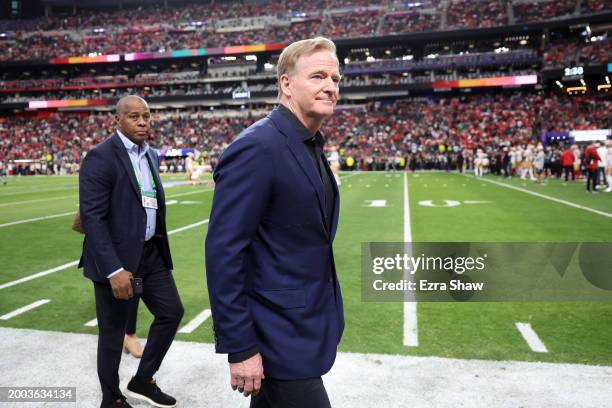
(243,180)
(95,191)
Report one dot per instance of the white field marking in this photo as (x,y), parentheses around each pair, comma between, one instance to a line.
(39,200)
(411,334)
(531,337)
(46,217)
(24,309)
(356,173)
(375,203)
(171,202)
(475,202)
(39,274)
(92,323)
(190,202)
(546,197)
(30,189)
(74,263)
(188,193)
(447,203)
(186,227)
(196,322)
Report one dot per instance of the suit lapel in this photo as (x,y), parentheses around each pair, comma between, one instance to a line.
(336,210)
(301,155)
(124,158)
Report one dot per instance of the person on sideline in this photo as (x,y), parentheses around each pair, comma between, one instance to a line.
(126,251)
(275,298)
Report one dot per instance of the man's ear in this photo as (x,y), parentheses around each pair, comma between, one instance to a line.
(284,84)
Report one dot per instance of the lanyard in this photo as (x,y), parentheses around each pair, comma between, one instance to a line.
(137,172)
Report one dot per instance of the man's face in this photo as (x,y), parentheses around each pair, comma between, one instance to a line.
(134,120)
(314,84)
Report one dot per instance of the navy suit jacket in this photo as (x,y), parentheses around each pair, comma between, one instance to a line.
(269,259)
(112,214)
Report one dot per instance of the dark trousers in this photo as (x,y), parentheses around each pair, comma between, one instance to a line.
(591,179)
(161,298)
(601,176)
(308,393)
(507,169)
(130,327)
(569,171)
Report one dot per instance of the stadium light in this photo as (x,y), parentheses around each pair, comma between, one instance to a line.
(582,82)
(576,89)
(608,79)
(559,84)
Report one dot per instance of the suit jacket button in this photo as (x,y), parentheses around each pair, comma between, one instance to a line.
(330,280)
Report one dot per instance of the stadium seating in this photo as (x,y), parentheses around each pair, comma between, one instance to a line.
(477,14)
(362,131)
(235,23)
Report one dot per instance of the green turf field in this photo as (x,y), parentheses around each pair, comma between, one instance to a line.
(578,332)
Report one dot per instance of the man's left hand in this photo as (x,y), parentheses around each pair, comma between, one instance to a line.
(246,376)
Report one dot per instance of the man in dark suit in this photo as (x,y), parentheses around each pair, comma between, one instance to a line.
(275,298)
(123,215)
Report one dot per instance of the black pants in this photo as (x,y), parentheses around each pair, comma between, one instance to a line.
(308,393)
(601,176)
(130,327)
(569,171)
(161,298)
(591,179)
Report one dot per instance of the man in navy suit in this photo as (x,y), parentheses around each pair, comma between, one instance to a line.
(274,293)
(123,215)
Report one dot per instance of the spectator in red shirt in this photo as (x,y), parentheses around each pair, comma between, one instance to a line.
(591,162)
(567,161)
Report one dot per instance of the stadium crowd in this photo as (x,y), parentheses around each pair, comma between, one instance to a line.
(410,22)
(526,11)
(476,14)
(154,29)
(420,132)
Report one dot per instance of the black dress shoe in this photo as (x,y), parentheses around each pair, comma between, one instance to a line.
(149,391)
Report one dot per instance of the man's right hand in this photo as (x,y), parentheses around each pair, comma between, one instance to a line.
(121,283)
(246,376)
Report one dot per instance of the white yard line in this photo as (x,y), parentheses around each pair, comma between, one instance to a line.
(24,309)
(29,190)
(189,193)
(39,274)
(531,337)
(186,227)
(40,200)
(46,217)
(92,323)
(411,334)
(74,263)
(343,177)
(196,322)
(546,197)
